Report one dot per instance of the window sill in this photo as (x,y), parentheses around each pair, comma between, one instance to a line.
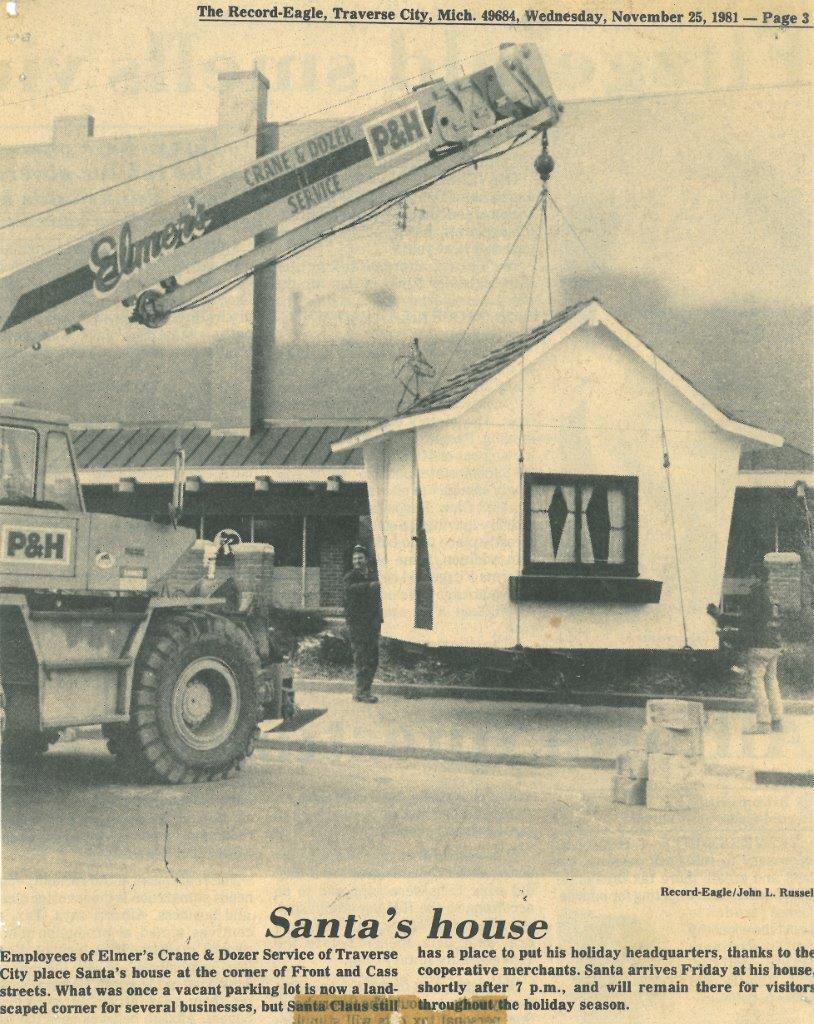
(585,589)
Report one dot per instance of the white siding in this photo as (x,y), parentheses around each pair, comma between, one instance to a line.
(390,469)
(591,406)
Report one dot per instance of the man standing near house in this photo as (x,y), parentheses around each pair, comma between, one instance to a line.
(758,635)
(363,614)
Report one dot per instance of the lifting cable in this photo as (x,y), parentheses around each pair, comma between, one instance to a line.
(665,450)
(542,235)
(388,204)
(544,165)
(489,287)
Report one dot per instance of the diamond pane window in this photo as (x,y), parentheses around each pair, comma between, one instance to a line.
(585,525)
(553,532)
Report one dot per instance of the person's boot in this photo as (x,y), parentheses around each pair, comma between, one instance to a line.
(758,729)
(366,698)
(777,725)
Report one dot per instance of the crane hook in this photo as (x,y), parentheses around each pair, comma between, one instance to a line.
(544,163)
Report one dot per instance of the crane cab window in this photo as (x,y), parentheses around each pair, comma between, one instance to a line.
(18,465)
(60,478)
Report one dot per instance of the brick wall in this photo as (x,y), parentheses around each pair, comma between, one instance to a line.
(252,569)
(336,540)
(785,579)
(187,571)
(333,552)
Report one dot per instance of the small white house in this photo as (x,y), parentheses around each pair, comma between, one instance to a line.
(526,500)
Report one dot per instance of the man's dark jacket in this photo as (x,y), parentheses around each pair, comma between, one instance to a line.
(363,606)
(759,625)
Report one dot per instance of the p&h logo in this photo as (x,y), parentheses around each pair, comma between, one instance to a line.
(21,544)
(396,134)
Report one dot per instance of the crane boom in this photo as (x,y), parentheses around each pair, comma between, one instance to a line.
(444,124)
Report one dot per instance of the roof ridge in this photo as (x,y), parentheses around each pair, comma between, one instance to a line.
(500,357)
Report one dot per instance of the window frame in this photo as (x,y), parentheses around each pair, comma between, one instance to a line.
(629,485)
(69,448)
(37,456)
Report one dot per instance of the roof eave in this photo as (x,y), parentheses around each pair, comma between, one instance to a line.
(752,433)
(396,426)
(594,313)
(774,479)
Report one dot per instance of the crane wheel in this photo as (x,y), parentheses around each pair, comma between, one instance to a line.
(195,704)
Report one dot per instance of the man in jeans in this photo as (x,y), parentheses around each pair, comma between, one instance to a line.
(758,637)
(363,614)
(760,634)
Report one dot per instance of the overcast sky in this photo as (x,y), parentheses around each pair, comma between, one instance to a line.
(704,199)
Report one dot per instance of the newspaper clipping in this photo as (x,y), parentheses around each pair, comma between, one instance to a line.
(406,496)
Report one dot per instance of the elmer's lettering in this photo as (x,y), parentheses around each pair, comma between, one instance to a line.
(114,259)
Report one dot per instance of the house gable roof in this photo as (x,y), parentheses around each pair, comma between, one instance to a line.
(471,377)
(481,378)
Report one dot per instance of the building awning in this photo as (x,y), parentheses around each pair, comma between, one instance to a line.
(283,452)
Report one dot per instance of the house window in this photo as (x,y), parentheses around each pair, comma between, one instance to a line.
(581,525)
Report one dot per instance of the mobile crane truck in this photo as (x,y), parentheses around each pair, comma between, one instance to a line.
(89,631)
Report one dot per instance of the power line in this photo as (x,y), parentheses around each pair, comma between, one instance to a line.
(371,214)
(686,92)
(258,133)
(228,286)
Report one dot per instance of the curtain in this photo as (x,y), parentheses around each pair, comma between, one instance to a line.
(616,509)
(553,508)
(567,550)
(587,548)
(541,547)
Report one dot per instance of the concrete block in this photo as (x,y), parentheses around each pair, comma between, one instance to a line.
(675,714)
(674,798)
(629,791)
(674,782)
(632,764)
(672,768)
(659,739)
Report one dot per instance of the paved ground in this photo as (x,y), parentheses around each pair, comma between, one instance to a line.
(564,734)
(320,814)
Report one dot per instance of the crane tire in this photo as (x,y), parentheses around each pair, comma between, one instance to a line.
(195,704)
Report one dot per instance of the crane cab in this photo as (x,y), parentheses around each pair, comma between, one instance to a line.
(40,497)
(48,542)
(37,467)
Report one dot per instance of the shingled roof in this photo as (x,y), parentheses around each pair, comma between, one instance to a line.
(471,377)
(464,384)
